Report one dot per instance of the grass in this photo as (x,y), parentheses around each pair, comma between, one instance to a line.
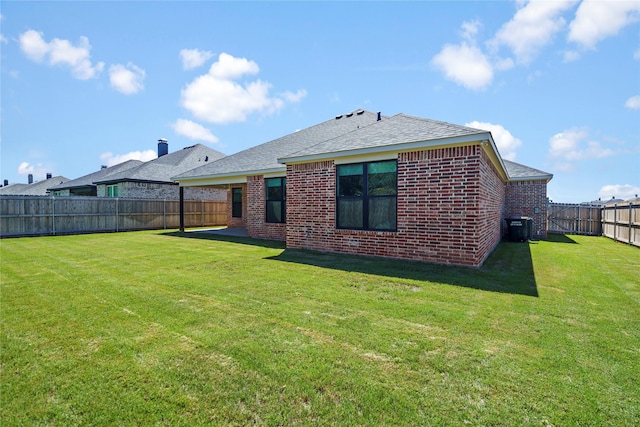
(165,328)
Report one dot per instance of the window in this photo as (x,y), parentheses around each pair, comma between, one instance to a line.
(275,199)
(112,191)
(236,202)
(367,196)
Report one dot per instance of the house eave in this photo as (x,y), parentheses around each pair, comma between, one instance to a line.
(226,178)
(545,178)
(120,181)
(73,187)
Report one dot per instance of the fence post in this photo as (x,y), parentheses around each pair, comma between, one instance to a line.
(181,193)
(630,212)
(53,215)
(117,216)
(202,212)
(164,213)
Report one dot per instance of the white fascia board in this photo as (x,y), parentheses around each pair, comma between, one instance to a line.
(495,150)
(400,147)
(203,181)
(227,178)
(546,178)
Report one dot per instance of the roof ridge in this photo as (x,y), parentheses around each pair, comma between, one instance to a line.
(425,119)
(341,135)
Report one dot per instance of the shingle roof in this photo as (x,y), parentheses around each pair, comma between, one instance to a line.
(393,131)
(355,133)
(167,166)
(264,157)
(88,180)
(35,189)
(518,172)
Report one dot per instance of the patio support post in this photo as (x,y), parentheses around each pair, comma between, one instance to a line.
(181,209)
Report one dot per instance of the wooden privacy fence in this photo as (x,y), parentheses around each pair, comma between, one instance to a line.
(621,222)
(574,219)
(46,215)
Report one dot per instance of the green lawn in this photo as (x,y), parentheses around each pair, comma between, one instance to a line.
(165,328)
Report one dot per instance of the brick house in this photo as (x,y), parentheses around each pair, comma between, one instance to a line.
(363,183)
(146,180)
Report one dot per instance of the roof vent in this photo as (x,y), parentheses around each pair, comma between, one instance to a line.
(379,118)
(349,114)
(339,116)
(360,112)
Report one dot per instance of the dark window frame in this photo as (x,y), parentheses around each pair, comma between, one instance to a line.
(366,197)
(273,198)
(236,205)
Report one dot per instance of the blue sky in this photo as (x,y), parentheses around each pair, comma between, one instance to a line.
(90,83)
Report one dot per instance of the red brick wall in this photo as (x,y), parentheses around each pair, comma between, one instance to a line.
(528,198)
(445,213)
(237,222)
(491,207)
(257,227)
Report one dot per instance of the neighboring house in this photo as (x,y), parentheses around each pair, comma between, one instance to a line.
(39,188)
(362,183)
(85,185)
(601,202)
(147,180)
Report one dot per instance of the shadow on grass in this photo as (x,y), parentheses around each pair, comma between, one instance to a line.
(508,269)
(560,238)
(207,235)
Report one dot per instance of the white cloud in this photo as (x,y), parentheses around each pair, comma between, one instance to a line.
(574,145)
(503,64)
(126,79)
(229,67)
(633,103)
(505,141)
(111,159)
(61,52)
(619,191)
(464,64)
(571,55)
(193,130)
(596,20)
(193,58)
(33,45)
(294,97)
(636,54)
(469,30)
(39,171)
(216,97)
(532,27)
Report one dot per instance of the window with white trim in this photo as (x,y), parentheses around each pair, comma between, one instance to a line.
(112,191)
